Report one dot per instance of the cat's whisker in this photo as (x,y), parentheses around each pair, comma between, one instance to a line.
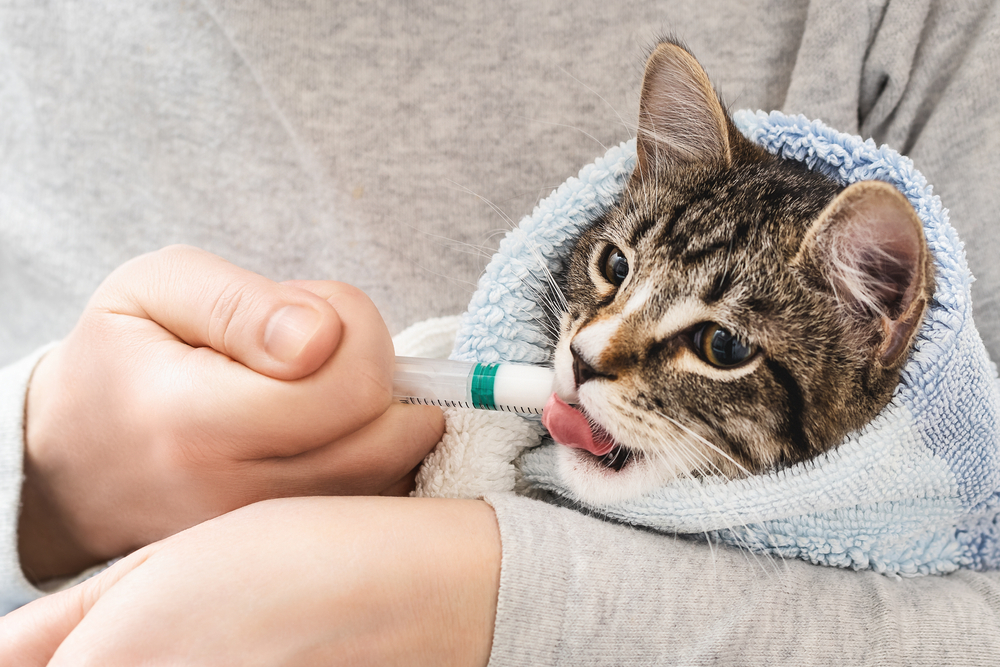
(536,194)
(493,206)
(482,251)
(496,208)
(471,285)
(548,305)
(670,444)
(571,127)
(706,443)
(692,458)
(674,446)
(602,98)
(550,279)
(542,263)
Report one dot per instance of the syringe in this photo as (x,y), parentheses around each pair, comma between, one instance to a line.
(508,387)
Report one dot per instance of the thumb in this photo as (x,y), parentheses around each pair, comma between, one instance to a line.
(282,331)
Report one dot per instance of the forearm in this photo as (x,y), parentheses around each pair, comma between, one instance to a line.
(337,581)
(579,591)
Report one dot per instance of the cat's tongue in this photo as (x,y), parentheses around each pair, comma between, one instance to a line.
(571,427)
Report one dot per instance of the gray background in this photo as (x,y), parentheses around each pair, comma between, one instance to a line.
(390,145)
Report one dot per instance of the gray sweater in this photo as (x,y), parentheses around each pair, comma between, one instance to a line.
(389,146)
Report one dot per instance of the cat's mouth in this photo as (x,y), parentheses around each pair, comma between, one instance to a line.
(572,427)
(619,457)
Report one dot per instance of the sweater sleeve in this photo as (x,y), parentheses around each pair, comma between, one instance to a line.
(920,76)
(14,587)
(576,590)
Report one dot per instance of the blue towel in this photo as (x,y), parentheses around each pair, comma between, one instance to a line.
(917,491)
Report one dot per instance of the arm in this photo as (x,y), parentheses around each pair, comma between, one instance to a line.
(187,389)
(417,582)
(920,77)
(576,591)
(332,581)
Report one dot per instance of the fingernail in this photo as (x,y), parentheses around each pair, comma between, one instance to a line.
(289,331)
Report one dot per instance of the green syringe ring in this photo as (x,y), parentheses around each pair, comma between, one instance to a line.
(483,379)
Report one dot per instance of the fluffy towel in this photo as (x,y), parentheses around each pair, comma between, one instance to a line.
(477,453)
(915,492)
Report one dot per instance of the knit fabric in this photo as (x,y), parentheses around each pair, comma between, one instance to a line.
(13,387)
(477,452)
(915,492)
(16,590)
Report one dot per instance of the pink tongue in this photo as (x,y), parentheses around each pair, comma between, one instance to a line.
(571,427)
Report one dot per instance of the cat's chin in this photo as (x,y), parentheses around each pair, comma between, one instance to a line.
(616,477)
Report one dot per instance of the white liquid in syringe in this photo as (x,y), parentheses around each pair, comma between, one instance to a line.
(508,387)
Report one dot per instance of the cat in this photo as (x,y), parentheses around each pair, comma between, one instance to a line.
(733,313)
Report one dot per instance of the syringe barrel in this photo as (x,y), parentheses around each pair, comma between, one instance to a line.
(518,388)
(433,382)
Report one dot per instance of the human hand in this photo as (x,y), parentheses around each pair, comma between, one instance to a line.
(303,581)
(190,387)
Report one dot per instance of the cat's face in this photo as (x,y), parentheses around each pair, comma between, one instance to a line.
(733,312)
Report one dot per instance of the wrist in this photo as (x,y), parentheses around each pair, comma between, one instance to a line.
(47,545)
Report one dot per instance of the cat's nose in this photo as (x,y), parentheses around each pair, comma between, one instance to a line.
(582,371)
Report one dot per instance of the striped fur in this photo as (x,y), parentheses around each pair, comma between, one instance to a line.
(825,285)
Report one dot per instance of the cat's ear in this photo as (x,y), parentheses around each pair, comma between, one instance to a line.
(681,121)
(869,244)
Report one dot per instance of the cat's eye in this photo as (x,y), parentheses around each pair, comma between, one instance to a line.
(615,267)
(720,347)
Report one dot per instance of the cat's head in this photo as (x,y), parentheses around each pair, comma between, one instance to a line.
(733,312)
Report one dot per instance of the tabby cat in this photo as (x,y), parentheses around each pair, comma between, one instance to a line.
(733,312)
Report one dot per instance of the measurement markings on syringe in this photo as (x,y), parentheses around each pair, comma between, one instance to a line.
(440,402)
(446,403)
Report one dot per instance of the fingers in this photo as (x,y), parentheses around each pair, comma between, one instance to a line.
(30,636)
(336,376)
(281,331)
(379,459)
(285,418)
